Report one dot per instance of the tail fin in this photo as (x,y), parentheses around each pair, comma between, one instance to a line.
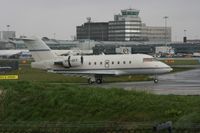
(39,50)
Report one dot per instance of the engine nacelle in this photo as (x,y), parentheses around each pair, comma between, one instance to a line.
(66,63)
(73,61)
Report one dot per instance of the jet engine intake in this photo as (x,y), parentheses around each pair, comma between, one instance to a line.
(73,61)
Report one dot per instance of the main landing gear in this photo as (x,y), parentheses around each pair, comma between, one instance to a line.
(97,79)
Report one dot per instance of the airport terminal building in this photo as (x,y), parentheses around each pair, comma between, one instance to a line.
(156,34)
(126,26)
(97,31)
(5,35)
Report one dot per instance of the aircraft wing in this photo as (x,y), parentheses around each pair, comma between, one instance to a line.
(90,72)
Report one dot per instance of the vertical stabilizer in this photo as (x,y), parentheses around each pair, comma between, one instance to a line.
(39,50)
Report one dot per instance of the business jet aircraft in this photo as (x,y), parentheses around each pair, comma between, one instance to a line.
(94,66)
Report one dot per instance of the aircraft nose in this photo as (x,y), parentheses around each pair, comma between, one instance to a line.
(169,69)
(166,67)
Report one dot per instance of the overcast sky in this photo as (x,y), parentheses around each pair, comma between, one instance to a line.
(46,17)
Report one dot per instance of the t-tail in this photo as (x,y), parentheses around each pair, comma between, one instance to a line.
(39,50)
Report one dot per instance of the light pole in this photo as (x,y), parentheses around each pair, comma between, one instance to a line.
(185,36)
(165,17)
(89,20)
(8,36)
(185,32)
(8,26)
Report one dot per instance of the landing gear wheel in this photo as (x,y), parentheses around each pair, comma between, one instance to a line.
(98,81)
(155,81)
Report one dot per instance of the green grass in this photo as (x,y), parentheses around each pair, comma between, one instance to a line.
(26,73)
(181,62)
(37,102)
(181,69)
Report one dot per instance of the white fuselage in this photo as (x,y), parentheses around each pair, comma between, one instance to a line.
(108,64)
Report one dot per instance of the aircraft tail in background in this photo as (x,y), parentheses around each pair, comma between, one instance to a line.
(39,50)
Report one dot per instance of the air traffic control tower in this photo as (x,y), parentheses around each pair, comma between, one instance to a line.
(128,15)
(126,26)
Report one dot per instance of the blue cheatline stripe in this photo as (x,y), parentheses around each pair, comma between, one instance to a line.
(38,50)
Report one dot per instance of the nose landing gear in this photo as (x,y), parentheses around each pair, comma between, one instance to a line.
(155,79)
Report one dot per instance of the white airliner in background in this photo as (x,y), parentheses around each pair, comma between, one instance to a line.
(93,66)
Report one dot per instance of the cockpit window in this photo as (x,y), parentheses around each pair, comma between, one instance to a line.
(149,59)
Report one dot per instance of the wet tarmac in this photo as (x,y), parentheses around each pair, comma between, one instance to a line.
(182,83)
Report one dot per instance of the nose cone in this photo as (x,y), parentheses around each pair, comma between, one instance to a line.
(167,68)
(170,69)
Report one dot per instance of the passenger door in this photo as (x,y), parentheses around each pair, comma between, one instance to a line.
(107,63)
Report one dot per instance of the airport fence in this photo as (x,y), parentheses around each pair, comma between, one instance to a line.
(98,127)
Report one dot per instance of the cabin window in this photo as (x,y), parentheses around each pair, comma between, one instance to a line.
(118,62)
(112,62)
(124,62)
(101,63)
(95,63)
(89,63)
(129,62)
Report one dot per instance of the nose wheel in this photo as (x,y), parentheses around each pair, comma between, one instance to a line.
(155,81)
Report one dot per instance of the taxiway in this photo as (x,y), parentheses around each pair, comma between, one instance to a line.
(181,83)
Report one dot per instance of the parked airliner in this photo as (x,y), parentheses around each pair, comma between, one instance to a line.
(93,66)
